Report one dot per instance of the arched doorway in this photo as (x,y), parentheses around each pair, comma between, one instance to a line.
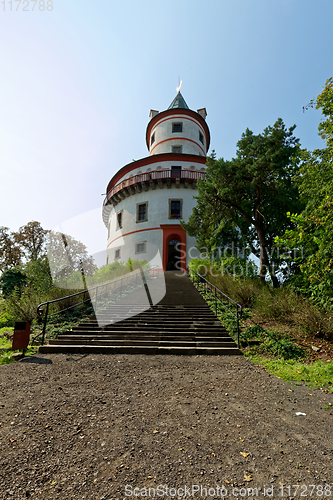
(174,247)
(174,255)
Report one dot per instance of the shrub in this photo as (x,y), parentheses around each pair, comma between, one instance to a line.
(6,320)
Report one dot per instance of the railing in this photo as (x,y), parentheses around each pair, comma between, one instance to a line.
(154,175)
(219,297)
(95,294)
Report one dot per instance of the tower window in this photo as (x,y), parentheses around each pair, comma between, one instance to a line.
(152,140)
(140,247)
(176,171)
(177,149)
(175,209)
(117,253)
(201,137)
(142,212)
(119,220)
(177,127)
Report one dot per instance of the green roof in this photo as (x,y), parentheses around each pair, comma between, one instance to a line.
(178,102)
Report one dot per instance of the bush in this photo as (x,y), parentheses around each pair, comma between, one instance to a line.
(6,320)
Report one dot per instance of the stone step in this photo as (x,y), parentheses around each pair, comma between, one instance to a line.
(152,350)
(182,324)
(134,342)
(138,338)
(144,331)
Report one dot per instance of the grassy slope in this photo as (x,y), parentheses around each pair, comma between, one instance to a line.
(291,329)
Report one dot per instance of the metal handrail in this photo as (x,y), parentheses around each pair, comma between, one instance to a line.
(209,286)
(40,309)
(154,175)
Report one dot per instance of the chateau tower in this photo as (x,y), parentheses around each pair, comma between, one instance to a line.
(147,199)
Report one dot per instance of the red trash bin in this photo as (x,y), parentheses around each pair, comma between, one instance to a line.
(21,335)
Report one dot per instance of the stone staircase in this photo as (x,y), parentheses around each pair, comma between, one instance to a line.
(181,323)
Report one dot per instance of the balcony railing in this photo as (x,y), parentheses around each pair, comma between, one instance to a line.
(155,176)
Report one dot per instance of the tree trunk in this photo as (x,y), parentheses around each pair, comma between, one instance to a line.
(264,264)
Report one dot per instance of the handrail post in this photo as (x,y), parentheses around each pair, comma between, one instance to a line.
(215,302)
(96,300)
(237,327)
(45,321)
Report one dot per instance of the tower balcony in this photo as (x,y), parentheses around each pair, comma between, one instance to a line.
(152,180)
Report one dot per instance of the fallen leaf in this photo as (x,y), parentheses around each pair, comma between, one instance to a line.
(150,477)
(238,426)
(155,431)
(226,481)
(244,454)
(247,478)
(180,449)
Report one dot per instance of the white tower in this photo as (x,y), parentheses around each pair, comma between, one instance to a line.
(147,199)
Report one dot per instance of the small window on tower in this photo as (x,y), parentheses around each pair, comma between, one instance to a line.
(177,149)
(201,137)
(177,127)
(152,140)
(117,254)
(142,212)
(140,247)
(119,220)
(175,209)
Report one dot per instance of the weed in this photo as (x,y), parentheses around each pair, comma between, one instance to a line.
(316,375)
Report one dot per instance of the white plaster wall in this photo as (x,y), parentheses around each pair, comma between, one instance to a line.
(163,132)
(158,213)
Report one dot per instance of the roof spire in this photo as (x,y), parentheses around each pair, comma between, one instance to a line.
(179,101)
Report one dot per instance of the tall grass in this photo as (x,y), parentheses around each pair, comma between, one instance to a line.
(271,304)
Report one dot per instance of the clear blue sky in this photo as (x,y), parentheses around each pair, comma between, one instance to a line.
(77,84)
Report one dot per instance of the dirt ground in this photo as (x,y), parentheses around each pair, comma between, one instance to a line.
(98,426)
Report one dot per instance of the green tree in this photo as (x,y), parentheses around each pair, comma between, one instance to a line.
(10,252)
(313,231)
(66,255)
(12,280)
(246,199)
(31,239)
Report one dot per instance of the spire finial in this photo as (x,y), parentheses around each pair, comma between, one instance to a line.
(179,86)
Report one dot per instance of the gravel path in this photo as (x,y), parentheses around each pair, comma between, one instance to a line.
(84,427)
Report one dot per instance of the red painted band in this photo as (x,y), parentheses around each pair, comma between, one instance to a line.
(176,139)
(176,118)
(132,232)
(174,112)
